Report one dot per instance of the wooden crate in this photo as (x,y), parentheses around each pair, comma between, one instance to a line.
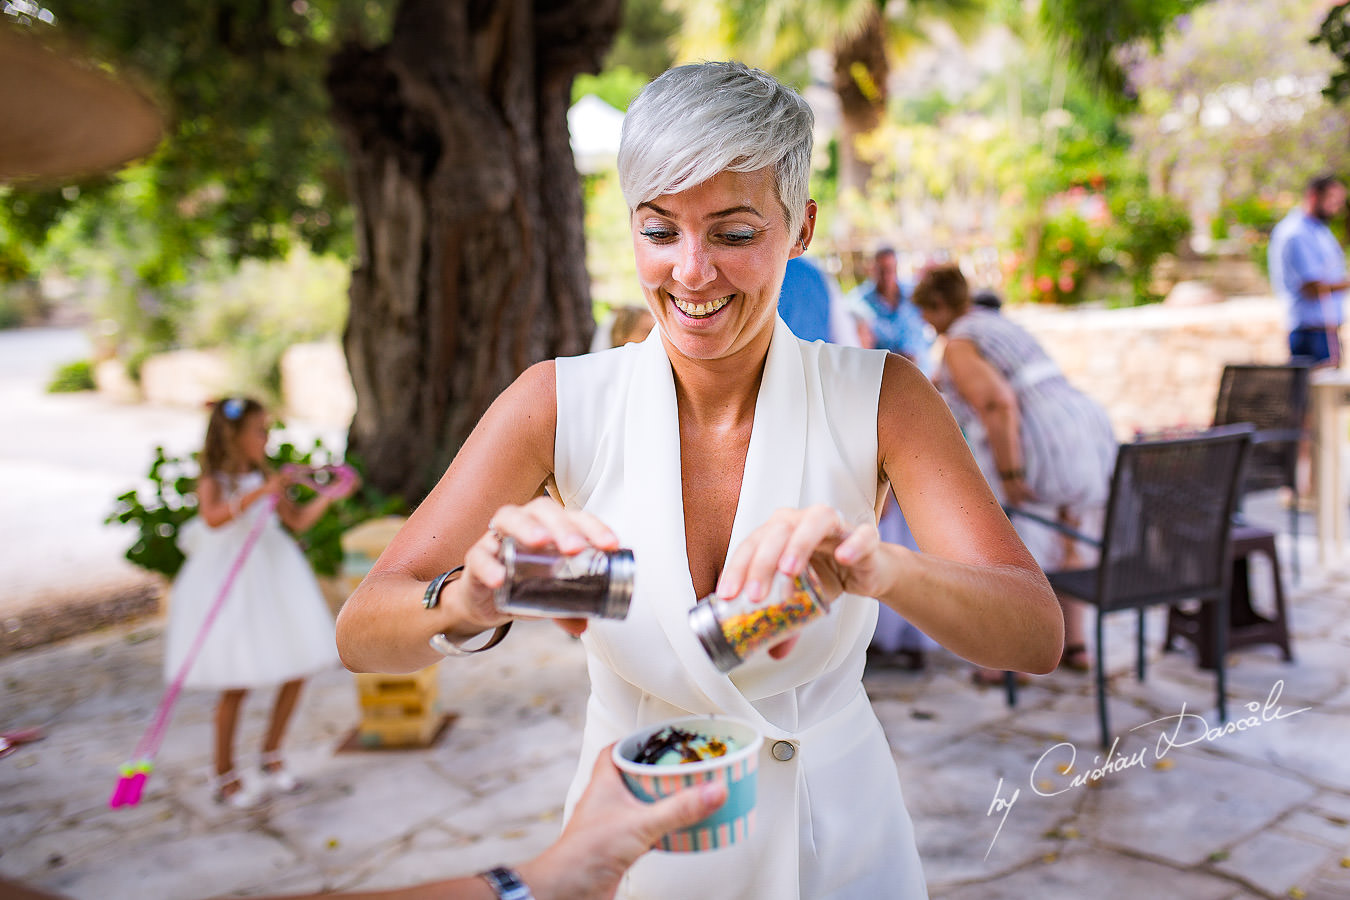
(400,732)
(398,710)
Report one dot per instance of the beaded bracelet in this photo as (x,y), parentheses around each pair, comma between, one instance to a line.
(1012,474)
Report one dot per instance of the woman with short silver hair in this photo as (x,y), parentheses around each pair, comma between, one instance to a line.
(723,450)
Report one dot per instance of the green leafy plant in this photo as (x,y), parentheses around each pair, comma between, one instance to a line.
(170,500)
(73,377)
(1144,228)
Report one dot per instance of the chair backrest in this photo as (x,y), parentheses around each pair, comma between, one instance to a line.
(1274,399)
(1168,518)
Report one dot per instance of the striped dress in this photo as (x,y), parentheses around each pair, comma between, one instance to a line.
(1068,448)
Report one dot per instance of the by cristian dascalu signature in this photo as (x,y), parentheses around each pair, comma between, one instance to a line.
(1062,757)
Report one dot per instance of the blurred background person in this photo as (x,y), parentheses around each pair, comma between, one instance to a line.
(888,319)
(1043,444)
(1307,271)
(630,324)
(814,307)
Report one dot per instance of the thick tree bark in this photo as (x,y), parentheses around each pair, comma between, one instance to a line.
(861,69)
(471,256)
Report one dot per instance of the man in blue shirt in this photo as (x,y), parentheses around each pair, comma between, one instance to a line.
(891,321)
(1307,270)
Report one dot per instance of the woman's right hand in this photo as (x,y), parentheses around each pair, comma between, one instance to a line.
(539,523)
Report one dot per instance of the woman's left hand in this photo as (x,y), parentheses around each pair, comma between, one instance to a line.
(846,559)
(1016,492)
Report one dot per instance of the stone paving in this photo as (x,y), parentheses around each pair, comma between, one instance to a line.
(1263,812)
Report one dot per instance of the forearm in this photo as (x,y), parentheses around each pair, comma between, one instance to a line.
(1002,617)
(303,518)
(220,511)
(467,888)
(384,626)
(1002,426)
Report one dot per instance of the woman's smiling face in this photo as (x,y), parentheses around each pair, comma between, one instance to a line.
(710,260)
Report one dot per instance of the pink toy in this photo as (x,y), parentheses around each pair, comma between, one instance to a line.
(337,482)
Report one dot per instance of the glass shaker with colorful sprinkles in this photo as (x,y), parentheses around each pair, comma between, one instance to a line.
(732,629)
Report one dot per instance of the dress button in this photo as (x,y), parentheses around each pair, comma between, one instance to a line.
(783,751)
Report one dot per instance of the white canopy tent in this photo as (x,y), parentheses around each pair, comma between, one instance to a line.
(595,127)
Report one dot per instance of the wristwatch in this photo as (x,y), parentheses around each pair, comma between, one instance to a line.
(507,884)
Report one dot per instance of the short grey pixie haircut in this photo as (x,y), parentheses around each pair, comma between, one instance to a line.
(695,121)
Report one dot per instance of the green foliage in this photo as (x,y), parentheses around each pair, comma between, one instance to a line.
(14,261)
(1096,232)
(1069,247)
(617,86)
(1255,216)
(171,500)
(1094,31)
(251,166)
(643,44)
(1144,228)
(1231,111)
(261,309)
(609,244)
(1334,34)
(73,377)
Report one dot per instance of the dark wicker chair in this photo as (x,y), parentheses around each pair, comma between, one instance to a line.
(1274,399)
(1166,539)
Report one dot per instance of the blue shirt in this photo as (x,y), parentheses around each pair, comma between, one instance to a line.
(901,330)
(1303,249)
(804,301)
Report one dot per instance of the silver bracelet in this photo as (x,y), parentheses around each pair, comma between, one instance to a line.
(442,643)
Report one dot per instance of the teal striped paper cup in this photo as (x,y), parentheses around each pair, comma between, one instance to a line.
(734,820)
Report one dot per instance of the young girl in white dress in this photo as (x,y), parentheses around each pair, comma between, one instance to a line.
(274,628)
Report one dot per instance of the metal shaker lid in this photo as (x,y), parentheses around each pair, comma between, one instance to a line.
(703,620)
(622,571)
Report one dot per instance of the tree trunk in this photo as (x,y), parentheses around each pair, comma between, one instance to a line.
(471,254)
(860,73)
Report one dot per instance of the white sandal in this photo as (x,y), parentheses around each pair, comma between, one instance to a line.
(276,775)
(242,797)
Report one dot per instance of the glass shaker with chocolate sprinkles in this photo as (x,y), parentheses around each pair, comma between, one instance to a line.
(545,582)
(732,629)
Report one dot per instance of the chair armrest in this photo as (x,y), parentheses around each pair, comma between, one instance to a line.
(1278,436)
(1051,523)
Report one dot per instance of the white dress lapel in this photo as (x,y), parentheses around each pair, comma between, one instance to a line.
(655,511)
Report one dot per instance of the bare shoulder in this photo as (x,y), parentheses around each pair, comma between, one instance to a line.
(524,417)
(907,404)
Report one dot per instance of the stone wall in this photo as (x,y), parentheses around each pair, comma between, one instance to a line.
(1158,366)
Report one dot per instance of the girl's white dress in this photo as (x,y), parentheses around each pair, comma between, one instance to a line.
(274,626)
(831,821)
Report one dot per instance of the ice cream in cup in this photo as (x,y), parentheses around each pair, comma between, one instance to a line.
(667,757)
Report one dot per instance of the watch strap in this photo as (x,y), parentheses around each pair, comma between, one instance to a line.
(507,884)
(432,597)
(447,647)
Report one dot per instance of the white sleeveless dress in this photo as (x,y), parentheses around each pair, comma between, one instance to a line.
(273,627)
(831,820)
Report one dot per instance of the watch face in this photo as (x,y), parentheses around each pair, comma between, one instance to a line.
(507,884)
